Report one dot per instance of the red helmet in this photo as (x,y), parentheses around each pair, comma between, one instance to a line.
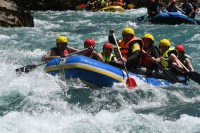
(180,47)
(107,45)
(90,42)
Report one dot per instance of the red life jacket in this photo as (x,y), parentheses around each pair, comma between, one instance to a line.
(89,54)
(56,52)
(125,46)
(145,60)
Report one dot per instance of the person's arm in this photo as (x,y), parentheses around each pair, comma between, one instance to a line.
(134,56)
(135,49)
(72,49)
(155,55)
(87,50)
(111,38)
(87,3)
(196,8)
(114,59)
(175,60)
(189,64)
(98,55)
(190,14)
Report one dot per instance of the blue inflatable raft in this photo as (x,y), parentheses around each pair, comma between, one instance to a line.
(95,73)
(172,18)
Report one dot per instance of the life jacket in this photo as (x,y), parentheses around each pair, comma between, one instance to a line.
(165,64)
(125,46)
(145,59)
(89,54)
(56,52)
(107,59)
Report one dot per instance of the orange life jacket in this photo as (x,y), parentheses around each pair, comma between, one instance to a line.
(125,46)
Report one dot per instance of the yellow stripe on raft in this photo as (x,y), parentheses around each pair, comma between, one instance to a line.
(85,67)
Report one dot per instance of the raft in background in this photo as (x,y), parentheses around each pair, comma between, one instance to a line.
(113,9)
(96,73)
(106,9)
(172,18)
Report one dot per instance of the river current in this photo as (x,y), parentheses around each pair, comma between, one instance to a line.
(39,103)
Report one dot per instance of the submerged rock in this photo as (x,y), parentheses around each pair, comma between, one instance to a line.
(13,16)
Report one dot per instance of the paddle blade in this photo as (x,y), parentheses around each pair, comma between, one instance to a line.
(194,76)
(130,83)
(25,69)
(141,18)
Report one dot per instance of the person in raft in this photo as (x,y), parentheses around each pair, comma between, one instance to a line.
(183,58)
(169,60)
(150,55)
(90,43)
(60,51)
(131,48)
(107,53)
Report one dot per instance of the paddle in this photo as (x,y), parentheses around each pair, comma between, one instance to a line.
(141,18)
(170,77)
(130,82)
(28,68)
(192,75)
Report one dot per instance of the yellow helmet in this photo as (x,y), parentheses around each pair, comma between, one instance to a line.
(61,39)
(149,36)
(128,31)
(164,42)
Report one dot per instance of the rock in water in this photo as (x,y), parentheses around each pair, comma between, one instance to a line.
(13,16)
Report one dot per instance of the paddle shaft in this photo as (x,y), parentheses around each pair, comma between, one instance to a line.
(120,55)
(183,66)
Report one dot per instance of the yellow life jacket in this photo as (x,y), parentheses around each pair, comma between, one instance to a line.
(107,59)
(164,63)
